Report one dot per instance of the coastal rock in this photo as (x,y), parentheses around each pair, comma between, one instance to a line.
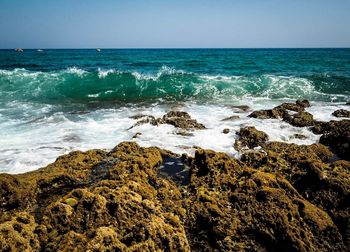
(181,120)
(341,113)
(289,199)
(178,119)
(96,200)
(336,135)
(243,108)
(226,131)
(267,114)
(230,118)
(307,168)
(300,118)
(250,137)
(303,103)
(235,208)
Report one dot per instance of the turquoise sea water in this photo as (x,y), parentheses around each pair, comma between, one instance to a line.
(88,76)
(55,101)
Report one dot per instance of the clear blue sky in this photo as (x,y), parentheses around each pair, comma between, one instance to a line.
(174,23)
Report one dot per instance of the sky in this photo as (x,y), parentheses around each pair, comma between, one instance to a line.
(174,23)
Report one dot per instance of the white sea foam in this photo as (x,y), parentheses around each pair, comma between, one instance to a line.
(27,144)
(77,71)
(104,73)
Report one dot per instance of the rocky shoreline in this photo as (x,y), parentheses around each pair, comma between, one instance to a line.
(277,197)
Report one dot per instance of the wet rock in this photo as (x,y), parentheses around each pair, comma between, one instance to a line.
(146,119)
(181,120)
(226,131)
(137,134)
(300,136)
(250,137)
(230,118)
(182,132)
(303,103)
(299,119)
(267,114)
(243,108)
(178,119)
(341,113)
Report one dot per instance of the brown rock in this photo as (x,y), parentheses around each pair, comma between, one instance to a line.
(251,138)
(241,209)
(226,131)
(178,119)
(300,119)
(230,118)
(336,134)
(341,113)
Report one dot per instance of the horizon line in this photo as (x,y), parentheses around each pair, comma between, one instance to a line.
(166,48)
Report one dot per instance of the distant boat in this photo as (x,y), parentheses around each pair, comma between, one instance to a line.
(40,50)
(98,49)
(19,50)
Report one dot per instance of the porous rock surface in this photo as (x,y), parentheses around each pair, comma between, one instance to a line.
(282,198)
(178,119)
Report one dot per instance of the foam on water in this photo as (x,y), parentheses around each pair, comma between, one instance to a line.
(80,86)
(38,138)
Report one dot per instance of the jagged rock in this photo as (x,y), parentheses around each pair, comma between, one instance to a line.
(181,120)
(303,103)
(83,196)
(336,134)
(308,169)
(267,114)
(299,119)
(250,137)
(241,209)
(178,119)
(117,201)
(341,113)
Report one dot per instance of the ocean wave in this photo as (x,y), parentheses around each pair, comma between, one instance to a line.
(79,85)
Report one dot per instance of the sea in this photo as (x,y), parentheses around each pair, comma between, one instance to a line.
(53,102)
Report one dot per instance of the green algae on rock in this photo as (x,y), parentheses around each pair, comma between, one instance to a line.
(118,201)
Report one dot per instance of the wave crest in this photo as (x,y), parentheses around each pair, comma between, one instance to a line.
(78,85)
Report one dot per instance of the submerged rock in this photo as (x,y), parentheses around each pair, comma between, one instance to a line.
(230,118)
(226,131)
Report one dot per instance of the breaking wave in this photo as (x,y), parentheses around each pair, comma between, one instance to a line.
(168,84)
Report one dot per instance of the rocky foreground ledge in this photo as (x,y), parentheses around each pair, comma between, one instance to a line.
(280,197)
